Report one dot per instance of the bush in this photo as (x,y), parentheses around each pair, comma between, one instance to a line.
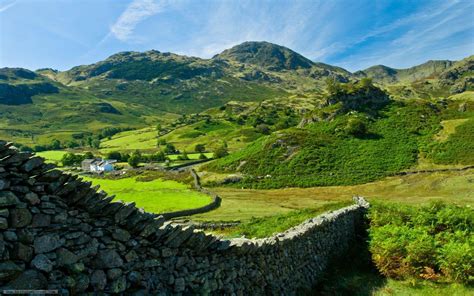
(406,241)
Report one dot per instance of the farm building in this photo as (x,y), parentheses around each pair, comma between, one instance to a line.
(98,165)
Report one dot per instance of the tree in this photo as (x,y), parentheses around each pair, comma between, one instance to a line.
(55,144)
(183,156)
(202,156)
(95,143)
(158,156)
(161,142)
(221,152)
(70,159)
(170,149)
(366,82)
(200,148)
(88,155)
(114,155)
(134,160)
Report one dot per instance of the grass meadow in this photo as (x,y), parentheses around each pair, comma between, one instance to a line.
(156,196)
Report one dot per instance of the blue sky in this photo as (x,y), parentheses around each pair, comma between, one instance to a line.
(352,34)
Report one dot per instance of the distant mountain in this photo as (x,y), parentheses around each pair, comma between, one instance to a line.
(387,75)
(18,85)
(266,55)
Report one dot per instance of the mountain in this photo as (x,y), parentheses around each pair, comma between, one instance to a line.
(266,55)
(137,89)
(17,86)
(387,75)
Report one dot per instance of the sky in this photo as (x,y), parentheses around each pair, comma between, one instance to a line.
(60,34)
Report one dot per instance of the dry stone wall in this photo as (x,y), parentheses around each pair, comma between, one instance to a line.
(58,232)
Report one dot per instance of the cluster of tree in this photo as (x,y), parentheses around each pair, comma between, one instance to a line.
(72,159)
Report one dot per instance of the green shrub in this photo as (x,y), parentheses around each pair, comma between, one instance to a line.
(407,241)
(456,260)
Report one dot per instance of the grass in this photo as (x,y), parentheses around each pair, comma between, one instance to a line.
(131,140)
(156,196)
(238,204)
(52,156)
(449,128)
(267,226)
(458,147)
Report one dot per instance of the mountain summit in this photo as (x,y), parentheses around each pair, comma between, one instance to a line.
(266,55)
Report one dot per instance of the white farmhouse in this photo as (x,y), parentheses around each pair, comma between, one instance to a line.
(98,165)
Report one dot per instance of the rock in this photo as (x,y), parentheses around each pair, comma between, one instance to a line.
(118,285)
(30,279)
(48,205)
(41,220)
(166,252)
(77,267)
(82,282)
(131,256)
(98,279)
(10,236)
(121,235)
(20,189)
(9,270)
(32,198)
(3,223)
(66,257)
(134,277)
(20,218)
(31,164)
(22,252)
(4,184)
(8,198)
(47,243)
(60,218)
(114,273)
(4,213)
(108,259)
(179,285)
(69,282)
(41,262)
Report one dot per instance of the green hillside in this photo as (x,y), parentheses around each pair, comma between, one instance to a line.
(349,145)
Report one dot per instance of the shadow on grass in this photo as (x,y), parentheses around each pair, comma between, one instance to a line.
(353,275)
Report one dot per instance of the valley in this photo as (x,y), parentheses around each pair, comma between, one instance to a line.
(278,137)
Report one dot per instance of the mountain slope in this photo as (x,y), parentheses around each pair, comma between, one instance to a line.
(387,75)
(266,55)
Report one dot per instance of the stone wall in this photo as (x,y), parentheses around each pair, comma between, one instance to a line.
(59,233)
(214,204)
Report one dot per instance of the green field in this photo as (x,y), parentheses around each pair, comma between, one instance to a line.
(238,204)
(156,196)
(53,156)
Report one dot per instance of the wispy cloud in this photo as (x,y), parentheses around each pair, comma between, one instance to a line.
(7,6)
(136,12)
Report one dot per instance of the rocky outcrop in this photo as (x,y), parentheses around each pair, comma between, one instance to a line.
(58,232)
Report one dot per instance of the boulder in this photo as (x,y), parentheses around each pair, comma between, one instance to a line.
(66,257)
(41,262)
(9,270)
(98,279)
(108,259)
(8,198)
(28,280)
(20,218)
(47,243)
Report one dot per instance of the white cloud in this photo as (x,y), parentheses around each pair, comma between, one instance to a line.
(136,12)
(7,6)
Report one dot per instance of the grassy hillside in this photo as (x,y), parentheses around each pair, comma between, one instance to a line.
(353,147)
